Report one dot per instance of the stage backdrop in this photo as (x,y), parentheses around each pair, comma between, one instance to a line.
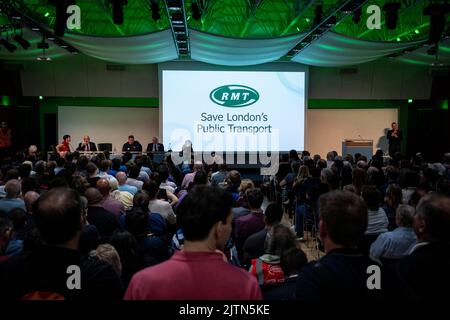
(327,128)
(108,124)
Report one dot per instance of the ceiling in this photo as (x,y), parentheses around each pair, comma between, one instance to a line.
(230,31)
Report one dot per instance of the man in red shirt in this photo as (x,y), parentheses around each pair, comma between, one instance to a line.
(198,272)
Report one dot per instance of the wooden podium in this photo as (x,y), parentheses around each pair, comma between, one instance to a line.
(353,146)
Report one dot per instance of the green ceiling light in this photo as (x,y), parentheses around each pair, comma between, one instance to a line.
(410,100)
(398,39)
(308,19)
(46,14)
(444,104)
(41,98)
(417,31)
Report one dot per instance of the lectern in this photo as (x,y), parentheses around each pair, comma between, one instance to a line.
(353,146)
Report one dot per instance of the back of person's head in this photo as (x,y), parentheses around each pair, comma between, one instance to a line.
(163,172)
(282,239)
(28,184)
(292,261)
(415,197)
(201,177)
(109,254)
(93,196)
(60,162)
(91,168)
(115,164)
(223,166)
(295,166)
(198,165)
(152,188)
(293,155)
(344,215)
(13,188)
(134,172)
(432,219)
(104,165)
(234,177)
(141,200)
(391,173)
(371,197)
(5,232)
(254,198)
(447,158)
(30,198)
(103,186)
(246,184)
(24,170)
(202,209)
(394,195)
(58,215)
(410,179)
(137,222)
(404,215)
(18,217)
(273,214)
(40,166)
(330,156)
(121,177)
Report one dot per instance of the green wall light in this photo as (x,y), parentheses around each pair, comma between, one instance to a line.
(410,100)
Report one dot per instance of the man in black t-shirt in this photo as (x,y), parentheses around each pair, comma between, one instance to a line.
(394,137)
(132,145)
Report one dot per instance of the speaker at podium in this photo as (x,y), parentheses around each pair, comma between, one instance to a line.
(362,146)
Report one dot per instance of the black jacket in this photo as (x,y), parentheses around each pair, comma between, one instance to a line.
(92,147)
(159,147)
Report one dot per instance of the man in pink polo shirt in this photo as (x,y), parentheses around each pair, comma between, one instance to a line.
(198,272)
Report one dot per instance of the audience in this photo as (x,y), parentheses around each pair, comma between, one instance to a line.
(133,226)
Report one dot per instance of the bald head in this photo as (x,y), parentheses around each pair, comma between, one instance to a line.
(103,186)
(30,198)
(121,177)
(13,188)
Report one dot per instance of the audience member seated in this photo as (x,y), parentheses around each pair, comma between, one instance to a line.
(133,175)
(123,186)
(105,221)
(292,262)
(12,200)
(232,184)
(189,178)
(42,274)
(160,206)
(378,221)
(106,252)
(258,243)
(423,274)
(205,217)
(252,222)
(218,178)
(391,202)
(150,231)
(342,273)
(398,243)
(92,172)
(108,203)
(267,268)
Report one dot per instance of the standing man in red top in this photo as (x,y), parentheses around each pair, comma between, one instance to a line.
(198,272)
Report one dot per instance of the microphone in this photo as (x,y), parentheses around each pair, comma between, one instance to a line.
(360,137)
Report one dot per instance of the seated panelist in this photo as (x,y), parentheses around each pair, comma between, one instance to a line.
(155,146)
(86,145)
(131,145)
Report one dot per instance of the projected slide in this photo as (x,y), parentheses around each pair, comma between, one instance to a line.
(233,110)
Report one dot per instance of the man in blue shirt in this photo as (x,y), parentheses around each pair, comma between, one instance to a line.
(122,179)
(12,200)
(398,243)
